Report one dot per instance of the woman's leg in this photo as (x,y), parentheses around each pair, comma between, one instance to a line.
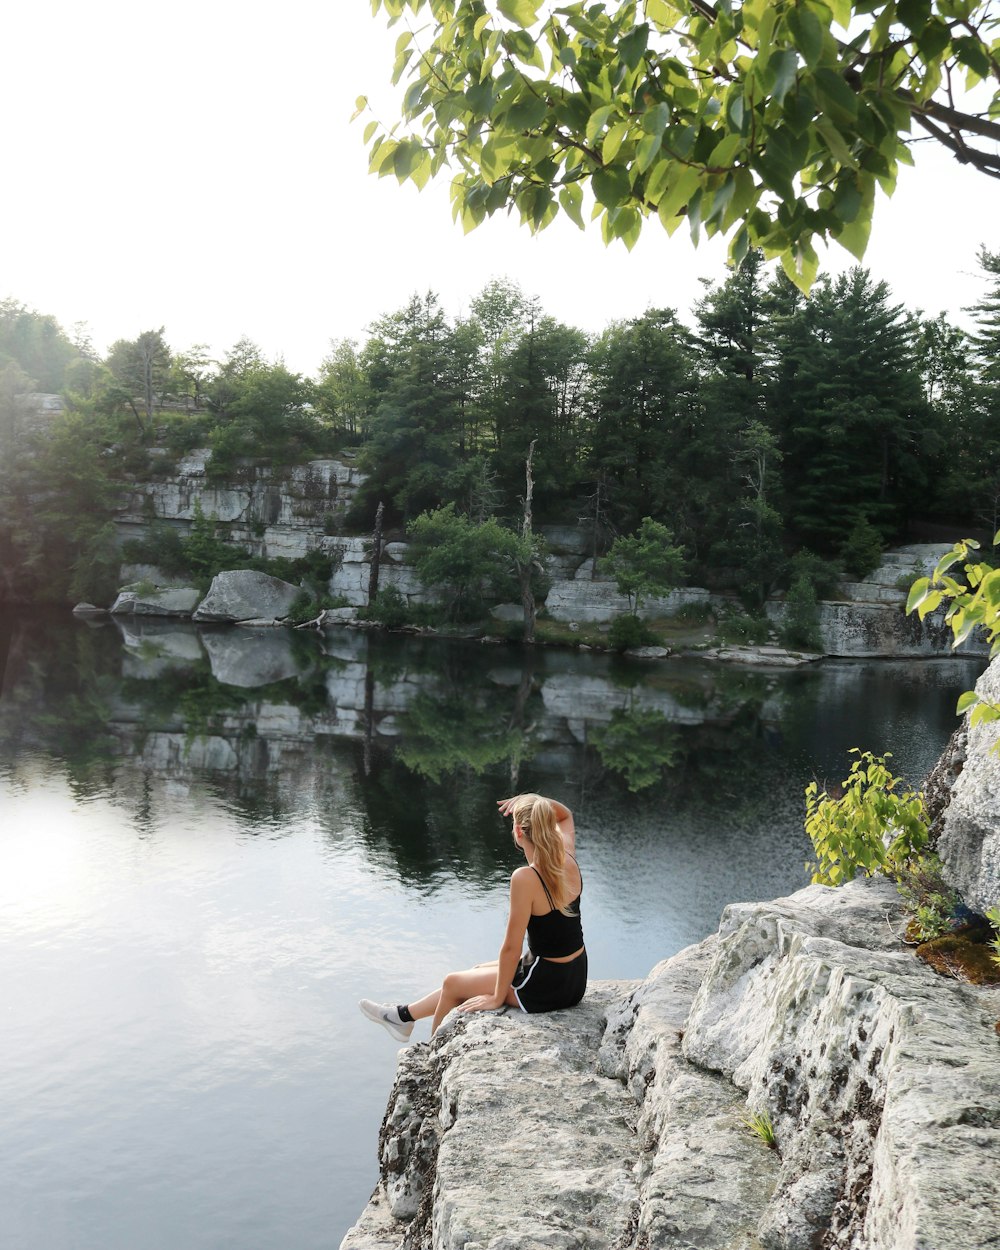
(457,987)
(427,1005)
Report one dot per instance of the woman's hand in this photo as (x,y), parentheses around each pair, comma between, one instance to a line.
(506,806)
(482,1002)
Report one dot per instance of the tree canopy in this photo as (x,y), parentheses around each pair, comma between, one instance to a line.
(771,121)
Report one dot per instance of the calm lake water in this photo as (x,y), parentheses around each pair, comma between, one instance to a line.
(212,843)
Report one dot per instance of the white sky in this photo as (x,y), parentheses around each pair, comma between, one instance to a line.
(192,165)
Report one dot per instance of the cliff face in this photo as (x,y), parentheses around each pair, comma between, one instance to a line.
(622,1123)
(283,511)
(294,510)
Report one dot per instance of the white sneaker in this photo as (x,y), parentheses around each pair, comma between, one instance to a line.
(388,1017)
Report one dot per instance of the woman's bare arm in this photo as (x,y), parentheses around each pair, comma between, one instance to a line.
(564,818)
(513,943)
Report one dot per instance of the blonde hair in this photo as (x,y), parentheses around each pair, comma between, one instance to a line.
(537,820)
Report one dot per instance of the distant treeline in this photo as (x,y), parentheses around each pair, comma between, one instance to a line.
(773,426)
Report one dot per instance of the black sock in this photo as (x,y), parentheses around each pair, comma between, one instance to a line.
(404,1014)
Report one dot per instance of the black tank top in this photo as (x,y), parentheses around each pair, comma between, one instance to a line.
(555,935)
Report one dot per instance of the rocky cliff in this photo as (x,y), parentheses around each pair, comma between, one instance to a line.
(624,1122)
(291,511)
(274,511)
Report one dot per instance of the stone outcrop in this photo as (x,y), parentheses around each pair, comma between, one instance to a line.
(352,569)
(622,1123)
(969,838)
(243,595)
(292,511)
(877,1080)
(179,601)
(272,510)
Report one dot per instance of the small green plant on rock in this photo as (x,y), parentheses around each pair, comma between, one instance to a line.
(873,826)
(974,604)
(928,897)
(760,1123)
(993,916)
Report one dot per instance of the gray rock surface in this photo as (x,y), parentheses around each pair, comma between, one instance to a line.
(179,601)
(250,658)
(245,595)
(970,830)
(274,511)
(621,1123)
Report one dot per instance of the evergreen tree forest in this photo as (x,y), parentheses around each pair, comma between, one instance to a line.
(774,435)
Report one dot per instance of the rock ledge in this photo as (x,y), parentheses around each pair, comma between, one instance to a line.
(621,1124)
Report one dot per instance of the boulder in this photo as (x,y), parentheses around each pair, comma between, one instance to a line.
(179,601)
(969,840)
(244,595)
(89,609)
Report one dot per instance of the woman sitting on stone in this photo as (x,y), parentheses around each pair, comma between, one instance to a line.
(545,905)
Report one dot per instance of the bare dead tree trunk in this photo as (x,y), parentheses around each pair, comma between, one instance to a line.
(376,555)
(525,566)
(369,716)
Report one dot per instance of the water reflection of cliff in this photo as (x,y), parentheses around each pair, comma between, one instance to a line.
(416,738)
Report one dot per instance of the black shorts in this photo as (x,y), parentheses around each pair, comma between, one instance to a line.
(541,985)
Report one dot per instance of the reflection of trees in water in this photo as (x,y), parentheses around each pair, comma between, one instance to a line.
(431,799)
(459,734)
(469,725)
(59,688)
(433,828)
(638,745)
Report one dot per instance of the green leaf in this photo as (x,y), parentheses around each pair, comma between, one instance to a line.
(528,113)
(918,593)
(945,563)
(841,10)
(835,95)
(835,141)
(965,701)
(807,33)
(984,714)
(661,14)
(654,120)
(854,235)
(481,24)
(598,120)
(657,181)
(521,12)
(632,48)
(933,39)
(479,98)
(613,141)
(370,130)
(914,14)
(611,187)
(970,52)
(647,151)
(783,65)
(725,150)
(684,182)
(571,199)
